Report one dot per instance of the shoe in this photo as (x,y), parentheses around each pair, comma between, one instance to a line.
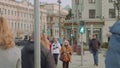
(95,64)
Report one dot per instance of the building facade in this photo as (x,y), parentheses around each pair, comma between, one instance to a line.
(98,15)
(20,16)
(53,19)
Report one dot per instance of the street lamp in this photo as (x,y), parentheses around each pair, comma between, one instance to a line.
(28,27)
(117,6)
(77,16)
(72,34)
(59,2)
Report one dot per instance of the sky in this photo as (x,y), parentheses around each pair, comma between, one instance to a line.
(63,2)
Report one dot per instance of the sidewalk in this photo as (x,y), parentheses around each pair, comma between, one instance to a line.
(88,61)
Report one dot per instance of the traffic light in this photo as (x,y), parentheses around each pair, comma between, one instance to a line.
(71,35)
(82,27)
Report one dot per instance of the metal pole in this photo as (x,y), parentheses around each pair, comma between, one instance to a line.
(118,14)
(81,49)
(28,28)
(91,26)
(72,33)
(77,19)
(37,35)
(59,19)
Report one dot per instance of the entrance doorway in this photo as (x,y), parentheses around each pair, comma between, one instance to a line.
(97,31)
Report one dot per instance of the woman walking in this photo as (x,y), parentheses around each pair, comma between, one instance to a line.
(56,47)
(66,52)
(10,55)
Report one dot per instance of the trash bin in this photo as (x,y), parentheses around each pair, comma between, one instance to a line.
(79,50)
(75,48)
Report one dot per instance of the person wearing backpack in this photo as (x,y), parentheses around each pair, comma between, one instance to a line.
(94,46)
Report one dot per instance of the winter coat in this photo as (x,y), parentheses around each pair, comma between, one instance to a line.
(10,58)
(47,60)
(56,48)
(113,53)
(94,45)
(67,52)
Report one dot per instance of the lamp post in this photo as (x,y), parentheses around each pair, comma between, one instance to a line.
(28,27)
(77,16)
(72,17)
(59,2)
(37,30)
(117,6)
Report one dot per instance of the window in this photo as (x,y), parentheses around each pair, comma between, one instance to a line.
(111,0)
(5,11)
(11,12)
(92,13)
(51,18)
(8,12)
(15,13)
(111,13)
(92,1)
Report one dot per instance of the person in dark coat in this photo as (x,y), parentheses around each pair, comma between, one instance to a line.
(113,54)
(47,60)
(94,46)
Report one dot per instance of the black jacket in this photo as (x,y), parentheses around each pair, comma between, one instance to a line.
(94,44)
(47,60)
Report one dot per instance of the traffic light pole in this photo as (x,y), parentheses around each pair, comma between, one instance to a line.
(81,49)
(82,31)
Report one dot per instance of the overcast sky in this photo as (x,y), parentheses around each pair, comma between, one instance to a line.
(63,2)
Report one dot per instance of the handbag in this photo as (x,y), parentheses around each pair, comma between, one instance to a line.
(61,57)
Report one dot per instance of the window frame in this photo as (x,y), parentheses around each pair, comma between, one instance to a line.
(112,13)
(91,13)
(92,1)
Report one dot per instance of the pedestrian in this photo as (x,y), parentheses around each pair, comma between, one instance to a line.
(45,41)
(113,53)
(60,41)
(94,47)
(56,50)
(47,60)
(50,45)
(10,55)
(66,51)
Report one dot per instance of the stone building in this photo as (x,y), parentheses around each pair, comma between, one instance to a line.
(53,19)
(20,15)
(98,15)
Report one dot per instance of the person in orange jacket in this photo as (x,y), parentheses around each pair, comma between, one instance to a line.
(66,51)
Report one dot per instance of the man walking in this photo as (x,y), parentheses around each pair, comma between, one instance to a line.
(94,46)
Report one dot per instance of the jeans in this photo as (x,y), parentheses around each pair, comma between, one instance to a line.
(95,57)
(56,58)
